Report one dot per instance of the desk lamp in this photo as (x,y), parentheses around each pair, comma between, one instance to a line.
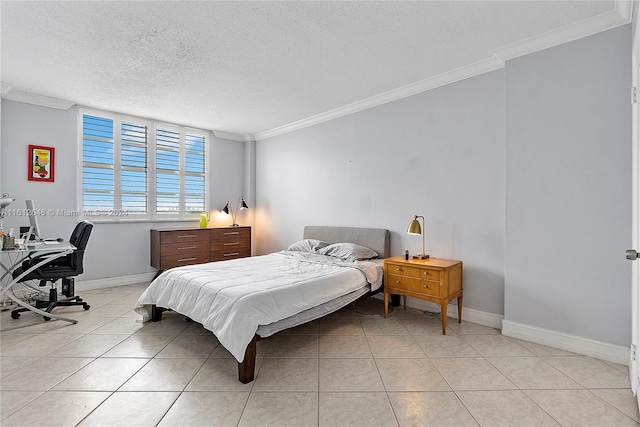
(241,205)
(414,228)
(4,202)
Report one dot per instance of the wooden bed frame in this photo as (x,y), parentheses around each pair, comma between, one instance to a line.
(374,238)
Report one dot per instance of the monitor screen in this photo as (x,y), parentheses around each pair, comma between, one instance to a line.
(33,220)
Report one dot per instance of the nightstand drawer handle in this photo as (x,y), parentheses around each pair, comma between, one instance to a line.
(398,282)
(231,244)
(426,273)
(398,268)
(424,286)
(232,254)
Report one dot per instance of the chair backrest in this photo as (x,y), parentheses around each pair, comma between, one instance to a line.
(79,238)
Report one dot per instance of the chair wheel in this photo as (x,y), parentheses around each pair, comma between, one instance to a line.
(86,306)
(15,315)
(46,318)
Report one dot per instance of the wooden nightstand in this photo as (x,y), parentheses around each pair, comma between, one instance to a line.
(434,279)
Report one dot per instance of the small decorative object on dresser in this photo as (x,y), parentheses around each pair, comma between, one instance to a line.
(433,279)
(173,247)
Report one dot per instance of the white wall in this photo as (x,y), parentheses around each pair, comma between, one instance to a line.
(439,154)
(569,181)
(115,249)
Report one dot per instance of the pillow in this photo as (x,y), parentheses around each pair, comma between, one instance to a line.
(348,252)
(307,245)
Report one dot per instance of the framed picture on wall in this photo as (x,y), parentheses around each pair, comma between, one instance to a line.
(41,163)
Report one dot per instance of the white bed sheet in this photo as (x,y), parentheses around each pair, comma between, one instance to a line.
(233,298)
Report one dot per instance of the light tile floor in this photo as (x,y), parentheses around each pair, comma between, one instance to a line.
(353,368)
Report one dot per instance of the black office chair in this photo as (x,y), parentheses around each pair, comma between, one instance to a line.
(65,268)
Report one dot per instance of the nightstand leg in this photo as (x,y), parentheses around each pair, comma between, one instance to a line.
(444,318)
(404,301)
(460,309)
(386,305)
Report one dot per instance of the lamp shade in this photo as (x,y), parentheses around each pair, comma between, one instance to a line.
(244,204)
(414,227)
(6,201)
(226,208)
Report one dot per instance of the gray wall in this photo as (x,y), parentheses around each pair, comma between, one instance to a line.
(568,210)
(522,173)
(115,249)
(439,154)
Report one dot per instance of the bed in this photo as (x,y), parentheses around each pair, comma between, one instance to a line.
(244,300)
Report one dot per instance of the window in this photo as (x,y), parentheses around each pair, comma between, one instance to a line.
(139,169)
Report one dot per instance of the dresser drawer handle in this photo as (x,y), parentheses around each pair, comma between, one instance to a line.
(232,254)
(187,247)
(424,286)
(426,273)
(186,259)
(231,233)
(398,282)
(398,269)
(186,236)
(231,244)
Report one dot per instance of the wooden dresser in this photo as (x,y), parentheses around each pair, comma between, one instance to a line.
(173,247)
(434,279)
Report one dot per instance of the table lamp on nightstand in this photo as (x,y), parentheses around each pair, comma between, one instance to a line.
(414,228)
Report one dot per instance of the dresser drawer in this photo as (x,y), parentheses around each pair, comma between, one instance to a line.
(176,260)
(231,233)
(185,247)
(230,253)
(231,243)
(182,236)
(411,271)
(426,287)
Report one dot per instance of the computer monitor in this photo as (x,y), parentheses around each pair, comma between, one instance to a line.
(33,220)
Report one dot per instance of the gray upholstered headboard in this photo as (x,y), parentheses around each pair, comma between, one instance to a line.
(374,238)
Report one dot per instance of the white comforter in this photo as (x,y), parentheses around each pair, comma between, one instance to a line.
(232,298)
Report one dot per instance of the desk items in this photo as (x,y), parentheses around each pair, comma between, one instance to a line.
(45,263)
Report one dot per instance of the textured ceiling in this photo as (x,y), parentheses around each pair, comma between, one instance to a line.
(249,67)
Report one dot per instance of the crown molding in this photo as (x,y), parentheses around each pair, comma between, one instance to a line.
(228,135)
(462,73)
(5,88)
(620,15)
(32,98)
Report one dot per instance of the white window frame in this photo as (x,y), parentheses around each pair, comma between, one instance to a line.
(118,214)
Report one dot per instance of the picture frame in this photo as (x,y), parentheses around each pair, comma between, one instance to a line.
(41,163)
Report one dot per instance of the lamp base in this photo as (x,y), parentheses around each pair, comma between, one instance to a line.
(421,256)
(234,225)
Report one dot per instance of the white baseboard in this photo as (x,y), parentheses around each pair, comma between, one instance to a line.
(468,314)
(573,343)
(111,282)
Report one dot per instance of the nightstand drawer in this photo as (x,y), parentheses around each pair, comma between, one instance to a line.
(426,287)
(411,271)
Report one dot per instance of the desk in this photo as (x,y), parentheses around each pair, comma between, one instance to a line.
(50,253)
